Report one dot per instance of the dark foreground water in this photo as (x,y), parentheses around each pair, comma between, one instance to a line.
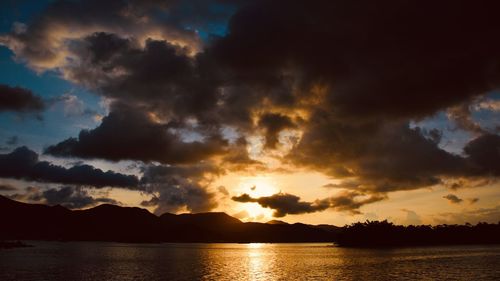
(115,261)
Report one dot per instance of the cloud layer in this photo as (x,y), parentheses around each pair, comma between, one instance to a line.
(67,196)
(284,204)
(177,188)
(23,163)
(128,133)
(349,77)
(19,99)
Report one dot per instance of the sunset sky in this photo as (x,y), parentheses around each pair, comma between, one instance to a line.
(321,112)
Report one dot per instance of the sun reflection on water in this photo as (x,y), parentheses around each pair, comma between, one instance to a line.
(257,263)
(255,245)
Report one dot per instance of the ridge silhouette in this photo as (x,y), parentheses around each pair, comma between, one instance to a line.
(22,221)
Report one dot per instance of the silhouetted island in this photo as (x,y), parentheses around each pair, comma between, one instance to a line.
(22,221)
(385,234)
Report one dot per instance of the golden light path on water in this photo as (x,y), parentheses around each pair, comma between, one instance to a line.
(256,261)
(234,262)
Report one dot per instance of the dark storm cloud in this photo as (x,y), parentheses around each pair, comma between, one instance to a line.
(19,99)
(453,199)
(273,124)
(67,196)
(484,153)
(129,133)
(362,69)
(389,156)
(159,74)
(284,204)
(42,42)
(178,187)
(390,58)
(163,78)
(371,64)
(114,55)
(344,184)
(23,163)
(382,157)
(351,201)
(356,73)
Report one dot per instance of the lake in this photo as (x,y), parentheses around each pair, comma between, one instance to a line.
(117,261)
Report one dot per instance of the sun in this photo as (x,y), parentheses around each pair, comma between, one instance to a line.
(257,186)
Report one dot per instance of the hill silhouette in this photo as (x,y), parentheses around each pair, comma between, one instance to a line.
(276,222)
(22,221)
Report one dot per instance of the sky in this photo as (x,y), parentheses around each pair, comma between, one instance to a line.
(321,112)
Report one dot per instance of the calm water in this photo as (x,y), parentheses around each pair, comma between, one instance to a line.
(114,261)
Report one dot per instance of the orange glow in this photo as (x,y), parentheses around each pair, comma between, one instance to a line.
(257,186)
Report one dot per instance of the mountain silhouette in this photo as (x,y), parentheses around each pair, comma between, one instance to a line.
(276,222)
(22,221)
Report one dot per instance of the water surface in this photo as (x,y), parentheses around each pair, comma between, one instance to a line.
(116,261)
